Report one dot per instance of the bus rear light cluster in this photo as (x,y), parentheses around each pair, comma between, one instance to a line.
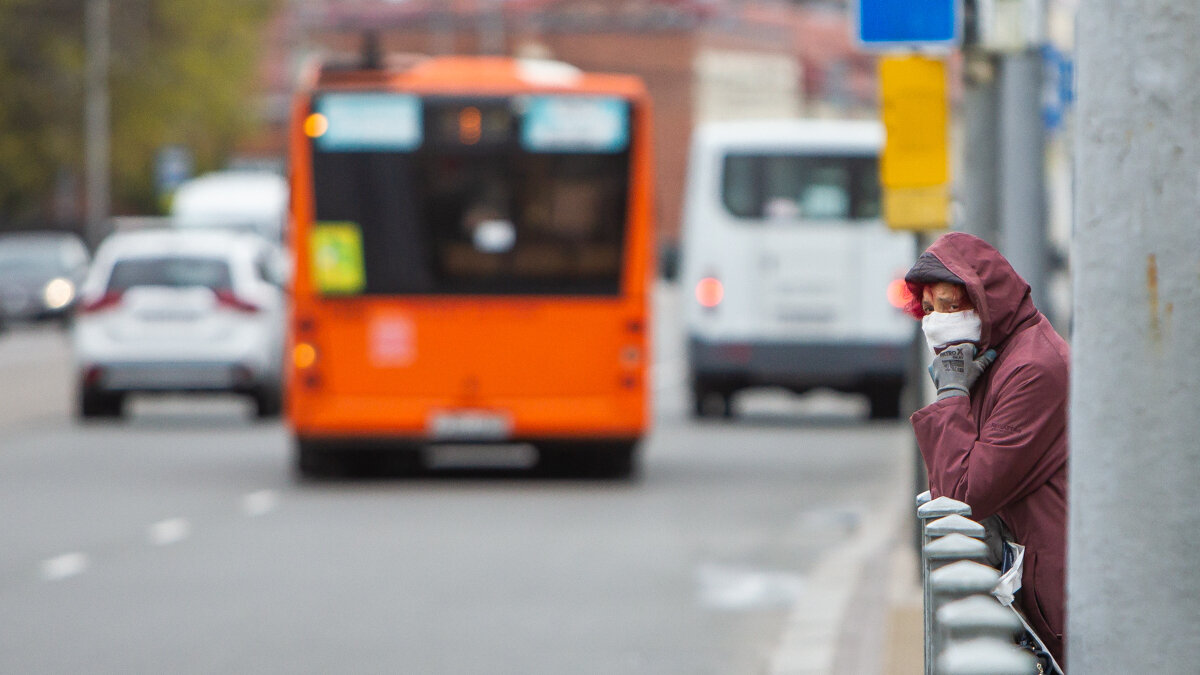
(304,355)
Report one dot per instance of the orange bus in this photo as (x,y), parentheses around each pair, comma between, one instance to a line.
(472,245)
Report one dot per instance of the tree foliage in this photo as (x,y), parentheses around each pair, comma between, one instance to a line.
(182,72)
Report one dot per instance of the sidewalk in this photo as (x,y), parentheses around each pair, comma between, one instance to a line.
(863,612)
(904,649)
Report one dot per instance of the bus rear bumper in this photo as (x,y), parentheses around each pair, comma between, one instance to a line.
(432,421)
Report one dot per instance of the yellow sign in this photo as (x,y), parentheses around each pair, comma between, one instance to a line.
(337,258)
(916,208)
(915,167)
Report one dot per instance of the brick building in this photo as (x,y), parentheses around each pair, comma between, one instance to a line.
(701,59)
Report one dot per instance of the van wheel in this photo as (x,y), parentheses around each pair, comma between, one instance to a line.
(708,402)
(885,401)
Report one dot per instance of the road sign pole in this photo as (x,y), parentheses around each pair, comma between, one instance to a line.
(1023,171)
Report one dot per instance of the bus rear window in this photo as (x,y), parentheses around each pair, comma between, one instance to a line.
(801,187)
(477,208)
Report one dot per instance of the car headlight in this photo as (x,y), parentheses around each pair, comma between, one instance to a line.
(58,293)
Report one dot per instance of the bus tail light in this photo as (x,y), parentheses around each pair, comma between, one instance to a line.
(631,356)
(710,292)
(304,355)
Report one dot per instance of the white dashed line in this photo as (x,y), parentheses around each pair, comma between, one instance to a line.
(63,566)
(260,503)
(169,531)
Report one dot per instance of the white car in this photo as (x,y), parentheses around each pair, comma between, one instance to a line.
(180,311)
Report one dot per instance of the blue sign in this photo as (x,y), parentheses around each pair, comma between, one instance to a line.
(368,121)
(575,124)
(907,23)
(1058,87)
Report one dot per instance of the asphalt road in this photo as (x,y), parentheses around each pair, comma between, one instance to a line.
(178,540)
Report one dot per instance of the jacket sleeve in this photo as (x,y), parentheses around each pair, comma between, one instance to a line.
(997,462)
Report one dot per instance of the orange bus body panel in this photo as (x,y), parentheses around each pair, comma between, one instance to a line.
(557,367)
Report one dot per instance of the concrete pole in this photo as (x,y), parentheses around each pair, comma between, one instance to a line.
(96,123)
(980,157)
(1133,585)
(1022,170)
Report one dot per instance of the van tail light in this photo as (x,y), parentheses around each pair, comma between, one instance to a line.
(226,298)
(709,292)
(107,301)
(898,294)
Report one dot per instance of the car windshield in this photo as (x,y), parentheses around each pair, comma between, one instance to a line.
(799,188)
(175,271)
(484,202)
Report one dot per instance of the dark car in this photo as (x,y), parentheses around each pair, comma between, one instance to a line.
(40,273)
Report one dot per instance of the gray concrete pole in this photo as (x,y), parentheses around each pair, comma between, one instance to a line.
(980,157)
(1022,170)
(1133,586)
(96,123)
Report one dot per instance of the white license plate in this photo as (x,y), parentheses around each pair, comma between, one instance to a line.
(470,425)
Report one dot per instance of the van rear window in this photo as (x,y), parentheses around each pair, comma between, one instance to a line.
(801,187)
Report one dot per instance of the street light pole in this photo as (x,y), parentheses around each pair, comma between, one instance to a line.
(96,121)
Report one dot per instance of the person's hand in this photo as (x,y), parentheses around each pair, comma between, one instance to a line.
(955,369)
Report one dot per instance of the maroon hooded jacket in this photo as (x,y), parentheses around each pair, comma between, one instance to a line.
(1003,449)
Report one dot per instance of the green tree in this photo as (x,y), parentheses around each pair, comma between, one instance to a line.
(182,72)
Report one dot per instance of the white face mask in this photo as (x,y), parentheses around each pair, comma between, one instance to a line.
(943,329)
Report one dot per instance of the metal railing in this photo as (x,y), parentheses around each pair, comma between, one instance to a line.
(967,630)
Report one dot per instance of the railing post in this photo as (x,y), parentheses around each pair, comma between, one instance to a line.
(928,510)
(948,550)
(985,656)
(977,616)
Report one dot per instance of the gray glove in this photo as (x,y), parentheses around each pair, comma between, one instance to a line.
(955,370)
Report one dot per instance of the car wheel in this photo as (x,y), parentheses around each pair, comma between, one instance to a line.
(93,404)
(268,403)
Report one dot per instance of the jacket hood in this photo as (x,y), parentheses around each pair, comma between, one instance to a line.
(1001,297)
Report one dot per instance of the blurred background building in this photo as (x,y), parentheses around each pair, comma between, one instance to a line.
(701,59)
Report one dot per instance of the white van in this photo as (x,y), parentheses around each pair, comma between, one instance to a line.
(792,277)
(236,199)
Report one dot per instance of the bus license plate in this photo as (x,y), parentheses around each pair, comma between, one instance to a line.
(470,425)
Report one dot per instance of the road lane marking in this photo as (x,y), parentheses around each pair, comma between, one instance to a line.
(169,531)
(745,589)
(809,643)
(260,502)
(63,566)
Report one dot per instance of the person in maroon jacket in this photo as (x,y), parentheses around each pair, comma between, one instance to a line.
(996,437)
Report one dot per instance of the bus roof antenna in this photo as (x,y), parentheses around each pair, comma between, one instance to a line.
(372,54)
